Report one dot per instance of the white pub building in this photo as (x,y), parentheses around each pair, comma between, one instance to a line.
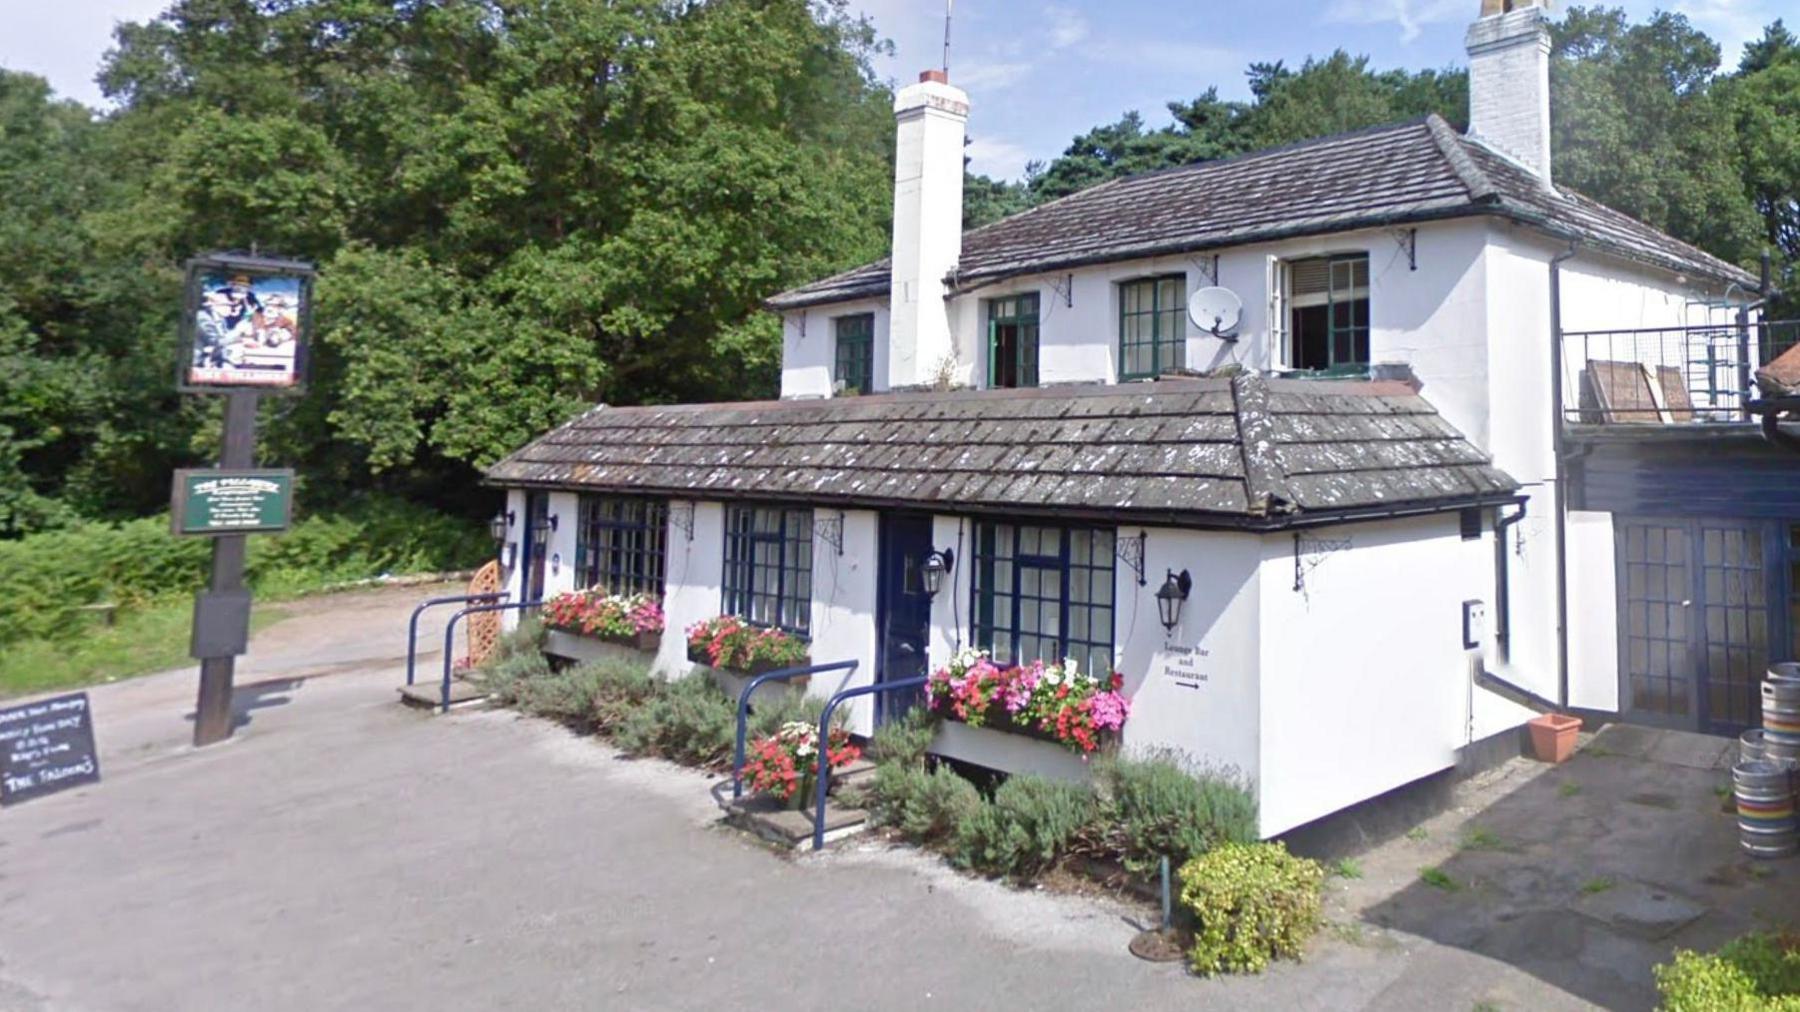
(1336,384)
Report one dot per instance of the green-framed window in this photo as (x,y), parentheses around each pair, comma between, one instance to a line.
(768,566)
(621,543)
(1152,326)
(854,370)
(1328,311)
(1044,593)
(1013,341)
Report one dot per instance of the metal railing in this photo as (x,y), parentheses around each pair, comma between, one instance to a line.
(450,640)
(743,711)
(822,775)
(1670,375)
(412,624)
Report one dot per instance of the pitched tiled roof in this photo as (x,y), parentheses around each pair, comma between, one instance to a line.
(1390,175)
(1245,451)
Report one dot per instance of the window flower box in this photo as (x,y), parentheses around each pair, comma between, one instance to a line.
(1051,702)
(729,643)
(634,621)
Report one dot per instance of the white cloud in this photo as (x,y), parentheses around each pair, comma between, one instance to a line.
(996,158)
(1731,23)
(1409,15)
(1067,26)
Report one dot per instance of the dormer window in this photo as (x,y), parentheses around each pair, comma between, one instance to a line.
(854,354)
(1013,341)
(1325,310)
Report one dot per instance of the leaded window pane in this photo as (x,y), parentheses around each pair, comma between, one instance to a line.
(621,544)
(1043,593)
(768,566)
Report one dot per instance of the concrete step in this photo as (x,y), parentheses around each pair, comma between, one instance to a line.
(856,773)
(430,694)
(774,821)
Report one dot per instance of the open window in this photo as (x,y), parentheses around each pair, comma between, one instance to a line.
(1323,311)
(1013,341)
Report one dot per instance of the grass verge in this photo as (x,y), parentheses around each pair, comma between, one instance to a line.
(147,639)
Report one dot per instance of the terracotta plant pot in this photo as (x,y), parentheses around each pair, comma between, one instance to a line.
(1553,737)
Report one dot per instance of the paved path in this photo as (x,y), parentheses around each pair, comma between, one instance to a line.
(345,852)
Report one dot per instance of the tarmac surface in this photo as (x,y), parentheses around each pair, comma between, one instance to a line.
(344,852)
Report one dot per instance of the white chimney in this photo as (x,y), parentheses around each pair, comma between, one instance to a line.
(928,182)
(1509,82)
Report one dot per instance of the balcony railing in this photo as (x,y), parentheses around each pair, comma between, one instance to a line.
(1674,375)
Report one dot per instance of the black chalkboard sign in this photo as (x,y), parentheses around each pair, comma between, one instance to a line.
(45,747)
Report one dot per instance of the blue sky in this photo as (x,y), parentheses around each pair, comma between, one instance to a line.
(1037,72)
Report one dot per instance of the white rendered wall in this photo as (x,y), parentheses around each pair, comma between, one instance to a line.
(513,576)
(1593,613)
(1194,689)
(809,347)
(692,591)
(843,611)
(559,549)
(1365,683)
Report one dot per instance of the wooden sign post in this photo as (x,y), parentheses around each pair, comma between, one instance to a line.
(244,332)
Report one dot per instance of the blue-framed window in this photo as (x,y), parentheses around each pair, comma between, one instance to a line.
(621,544)
(1044,593)
(768,566)
(854,369)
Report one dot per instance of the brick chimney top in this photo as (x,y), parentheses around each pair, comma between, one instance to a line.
(934,75)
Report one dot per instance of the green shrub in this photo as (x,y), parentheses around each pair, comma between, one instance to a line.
(1749,974)
(689,721)
(588,697)
(618,690)
(1028,826)
(924,806)
(778,708)
(45,577)
(1158,806)
(904,739)
(1252,902)
(507,679)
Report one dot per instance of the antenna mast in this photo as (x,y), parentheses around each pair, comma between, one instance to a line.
(949,5)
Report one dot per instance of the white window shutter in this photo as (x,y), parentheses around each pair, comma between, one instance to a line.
(1275,280)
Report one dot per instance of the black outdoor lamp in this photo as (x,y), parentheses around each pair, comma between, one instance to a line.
(540,532)
(1170,596)
(936,565)
(498,527)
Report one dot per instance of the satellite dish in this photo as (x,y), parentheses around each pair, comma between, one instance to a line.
(1215,310)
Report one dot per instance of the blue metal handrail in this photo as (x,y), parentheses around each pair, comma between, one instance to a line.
(412,624)
(743,711)
(822,775)
(450,641)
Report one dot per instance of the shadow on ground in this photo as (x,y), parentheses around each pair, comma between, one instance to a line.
(1592,873)
(246,699)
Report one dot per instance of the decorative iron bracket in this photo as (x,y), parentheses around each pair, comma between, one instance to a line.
(1131,552)
(681,516)
(830,529)
(1408,241)
(1319,549)
(1209,270)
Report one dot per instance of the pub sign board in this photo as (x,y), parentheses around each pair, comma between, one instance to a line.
(45,747)
(211,501)
(246,324)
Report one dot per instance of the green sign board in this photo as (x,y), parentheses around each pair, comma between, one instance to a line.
(214,501)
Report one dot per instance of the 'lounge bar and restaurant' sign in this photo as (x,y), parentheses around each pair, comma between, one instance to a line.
(211,501)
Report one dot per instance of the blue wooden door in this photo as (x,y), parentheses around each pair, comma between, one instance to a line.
(903,608)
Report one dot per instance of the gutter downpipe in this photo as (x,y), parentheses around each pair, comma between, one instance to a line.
(1559,495)
(1503,584)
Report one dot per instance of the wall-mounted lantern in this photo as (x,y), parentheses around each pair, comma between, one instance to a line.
(540,532)
(1170,595)
(498,527)
(935,566)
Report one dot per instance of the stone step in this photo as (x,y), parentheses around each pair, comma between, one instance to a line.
(430,694)
(776,822)
(856,773)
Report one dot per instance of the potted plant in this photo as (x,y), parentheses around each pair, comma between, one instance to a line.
(1553,736)
(634,620)
(730,643)
(1055,702)
(785,765)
